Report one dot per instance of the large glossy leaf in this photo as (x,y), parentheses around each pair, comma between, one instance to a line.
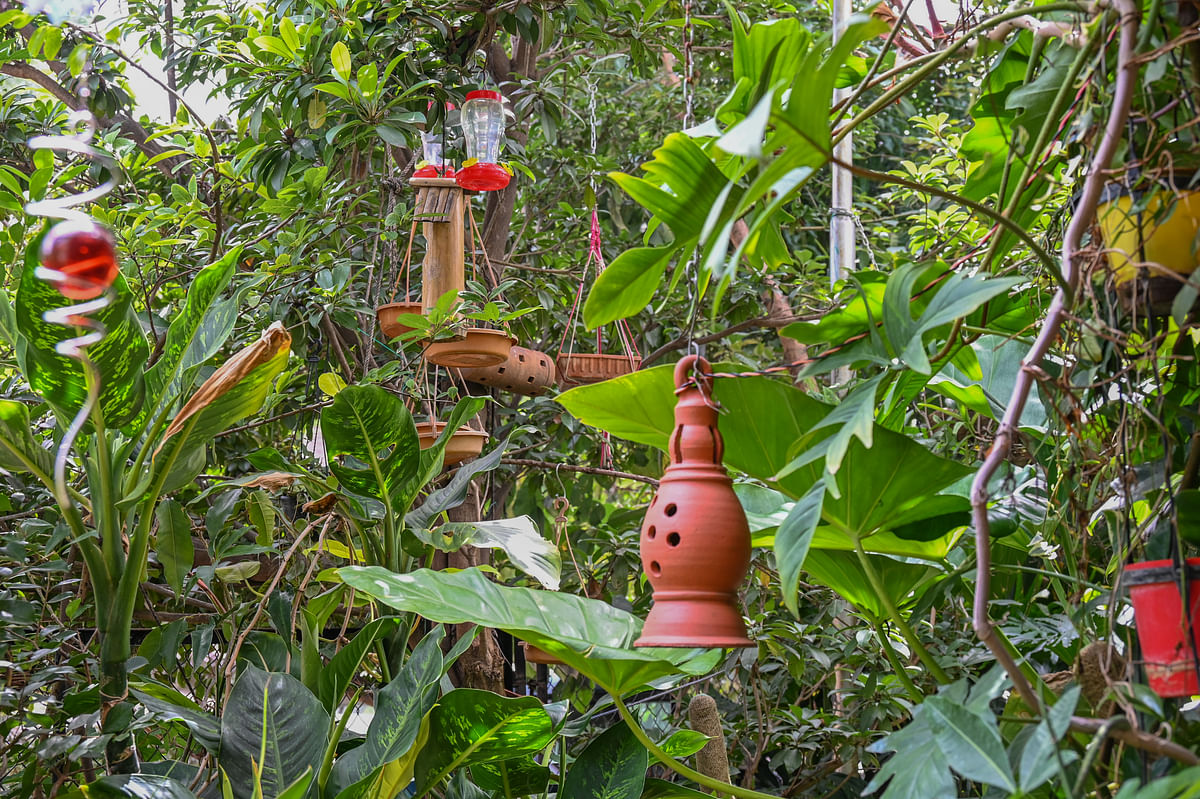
(627,285)
(173,542)
(342,667)
(400,708)
(793,540)
(999,360)
(454,493)
(432,458)
(167,704)
(906,776)
(373,428)
(522,776)
(613,766)
(120,357)
(195,334)
(843,572)
(519,538)
(590,636)
(470,726)
(764,422)
(272,725)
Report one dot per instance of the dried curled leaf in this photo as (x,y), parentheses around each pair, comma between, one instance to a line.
(274,341)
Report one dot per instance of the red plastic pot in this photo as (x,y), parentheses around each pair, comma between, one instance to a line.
(1162,628)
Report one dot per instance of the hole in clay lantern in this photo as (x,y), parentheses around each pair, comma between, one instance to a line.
(655,569)
(651,532)
(670,509)
(520,357)
(500,369)
(673,539)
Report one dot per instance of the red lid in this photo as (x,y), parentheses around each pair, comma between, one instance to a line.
(483,94)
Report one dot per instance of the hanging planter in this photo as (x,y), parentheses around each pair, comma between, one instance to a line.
(535,654)
(1167,636)
(388,316)
(1145,244)
(581,368)
(526,372)
(695,539)
(475,347)
(483,133)
(465,443)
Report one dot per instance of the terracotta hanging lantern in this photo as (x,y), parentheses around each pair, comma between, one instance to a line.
(433,150)
(1166,629)
(695,539)
(527,372)
(483,133)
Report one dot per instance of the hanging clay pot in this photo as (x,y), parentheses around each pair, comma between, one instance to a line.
(1168,650)
(584,368)
(476,347)
(535,654)
(1145,245)
(387,314)
(464,444)
(526,371)
(695,539)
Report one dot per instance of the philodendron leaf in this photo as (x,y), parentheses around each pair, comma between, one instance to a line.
(919,768)
(793,540)
(343,666)
(120,357)
(591,636)
(523,776)
(470,726)
(273,730)
(400,708)
(613,766)
(519,538)
(454,493)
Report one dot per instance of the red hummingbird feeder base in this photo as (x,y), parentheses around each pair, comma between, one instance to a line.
(482,176)
(695,539)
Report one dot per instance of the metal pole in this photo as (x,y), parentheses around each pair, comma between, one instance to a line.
(841,221)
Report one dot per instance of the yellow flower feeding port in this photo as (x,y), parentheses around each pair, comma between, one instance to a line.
(1152,236)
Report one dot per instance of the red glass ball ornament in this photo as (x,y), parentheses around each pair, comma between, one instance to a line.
(84,252)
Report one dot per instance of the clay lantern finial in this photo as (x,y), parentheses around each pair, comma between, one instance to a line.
(695,539)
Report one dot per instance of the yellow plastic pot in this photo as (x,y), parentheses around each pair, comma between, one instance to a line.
(1169,239)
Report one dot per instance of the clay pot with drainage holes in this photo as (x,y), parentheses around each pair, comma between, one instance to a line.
(695,539)
(526,372)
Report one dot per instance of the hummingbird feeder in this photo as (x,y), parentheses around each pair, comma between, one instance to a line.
(483,133)
(695,539)
(433,151)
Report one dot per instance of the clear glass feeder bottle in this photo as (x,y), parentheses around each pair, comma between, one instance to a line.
(433,155)
(483,133)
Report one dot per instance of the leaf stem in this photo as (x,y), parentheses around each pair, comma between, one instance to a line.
(711,783)
(906,631)
(910,687)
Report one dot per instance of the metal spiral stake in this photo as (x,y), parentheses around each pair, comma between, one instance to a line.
(77,256)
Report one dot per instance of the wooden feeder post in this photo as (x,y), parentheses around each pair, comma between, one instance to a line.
(440,207)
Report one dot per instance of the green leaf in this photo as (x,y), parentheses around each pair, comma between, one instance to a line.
(272,725)
(971,745)
(287,32)
(400,708)
(133,786)
(454,493)
(591,636)
(519,538)
(918,769)
(627,285)
(613,766)
(167,704)
(1040,759)
(343,666)
(19,452)
(470,726)
(522,776)
(120,357)
(195,334)
(340,57)
(661,789)
(173,543)
(684,743)
(374,428)
(903,581)
(793,540)
(431,458)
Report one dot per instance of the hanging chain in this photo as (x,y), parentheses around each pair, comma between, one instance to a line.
(592,127)
(688,66)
